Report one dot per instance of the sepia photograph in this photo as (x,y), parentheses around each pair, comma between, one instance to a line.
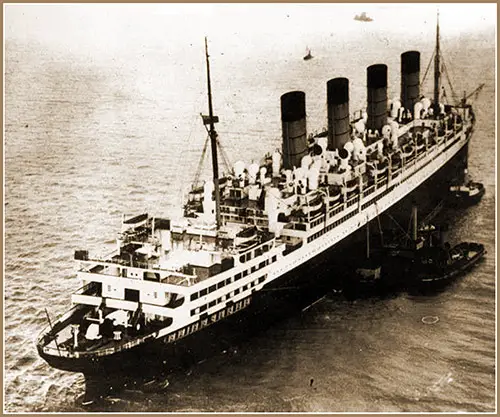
(249,208)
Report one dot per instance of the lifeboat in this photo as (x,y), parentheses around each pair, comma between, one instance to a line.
(351,187)
(407,150)
(314,206)
(379,168)
(396,164)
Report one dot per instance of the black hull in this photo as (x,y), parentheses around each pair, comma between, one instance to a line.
(278,300)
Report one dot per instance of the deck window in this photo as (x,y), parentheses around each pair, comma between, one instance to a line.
(194,296)
(212,288)
(131,295)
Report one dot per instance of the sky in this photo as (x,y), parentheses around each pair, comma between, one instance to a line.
(115,25)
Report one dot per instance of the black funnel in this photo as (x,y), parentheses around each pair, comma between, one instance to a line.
(377,96)
(293,122)
(337,97)
(410,79)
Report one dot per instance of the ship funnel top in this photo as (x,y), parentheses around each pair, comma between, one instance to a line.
(377,76)
(410,62)
(293,106)
(337,91)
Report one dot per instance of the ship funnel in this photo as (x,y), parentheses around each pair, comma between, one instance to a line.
(377,97)
(293,122)
(410,79)
(337,90)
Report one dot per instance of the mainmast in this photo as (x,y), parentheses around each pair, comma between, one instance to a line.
(211,120)
(437,72)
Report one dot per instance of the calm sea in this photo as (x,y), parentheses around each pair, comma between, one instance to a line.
(87,139)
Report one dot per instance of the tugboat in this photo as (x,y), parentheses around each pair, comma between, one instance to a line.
(174,286)
(420,261)
(439,267)
(426,260)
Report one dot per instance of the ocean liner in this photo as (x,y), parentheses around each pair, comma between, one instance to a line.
(262,226)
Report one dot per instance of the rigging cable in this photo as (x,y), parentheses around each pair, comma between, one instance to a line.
(185,147)
(397,224)
(197,174)
(455,97)
(225,158)
(427,70)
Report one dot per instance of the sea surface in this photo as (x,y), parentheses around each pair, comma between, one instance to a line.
(90,137)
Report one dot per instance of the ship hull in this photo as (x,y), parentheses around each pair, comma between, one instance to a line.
(282,297)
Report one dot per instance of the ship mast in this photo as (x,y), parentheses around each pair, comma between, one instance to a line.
(213,141)
(437,73)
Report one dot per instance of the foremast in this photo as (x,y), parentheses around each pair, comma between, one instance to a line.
(437,72)
(211,120)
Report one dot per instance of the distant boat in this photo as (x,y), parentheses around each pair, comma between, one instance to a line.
(363,18)
(308,55)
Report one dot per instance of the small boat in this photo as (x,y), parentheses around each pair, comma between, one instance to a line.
(427,260)
(308,55)
(366,280)
(466,194)
(418,262)
(441,267)
(363,18)
(365,276)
